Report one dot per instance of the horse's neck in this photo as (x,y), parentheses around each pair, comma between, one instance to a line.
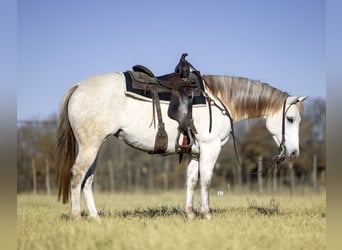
(245,98)
(249,109)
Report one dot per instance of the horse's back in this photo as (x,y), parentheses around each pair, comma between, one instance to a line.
(104,83)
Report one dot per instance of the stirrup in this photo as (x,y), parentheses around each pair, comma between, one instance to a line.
(191,139)
(186,147)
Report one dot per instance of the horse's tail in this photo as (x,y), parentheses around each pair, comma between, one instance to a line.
(65,149)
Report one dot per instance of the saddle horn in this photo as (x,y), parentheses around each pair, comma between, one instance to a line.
(183,67)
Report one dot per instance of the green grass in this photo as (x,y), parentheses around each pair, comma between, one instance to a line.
(157,221)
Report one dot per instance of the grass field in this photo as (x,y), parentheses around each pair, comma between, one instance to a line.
(157,221)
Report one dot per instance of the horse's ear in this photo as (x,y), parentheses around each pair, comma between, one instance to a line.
(295,99)
(302,98)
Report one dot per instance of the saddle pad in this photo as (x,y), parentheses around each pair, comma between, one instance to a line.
(163,97)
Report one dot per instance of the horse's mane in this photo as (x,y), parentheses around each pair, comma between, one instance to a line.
(246,98)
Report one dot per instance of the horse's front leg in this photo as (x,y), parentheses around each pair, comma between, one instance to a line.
(191,182)
(208,156)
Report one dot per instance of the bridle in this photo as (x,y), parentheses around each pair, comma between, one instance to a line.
(282,149)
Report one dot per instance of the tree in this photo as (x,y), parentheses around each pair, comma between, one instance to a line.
(257,142)
(35,148)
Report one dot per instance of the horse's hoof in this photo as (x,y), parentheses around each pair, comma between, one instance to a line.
(95,219)
(94,214)
(207,216)
(191,216)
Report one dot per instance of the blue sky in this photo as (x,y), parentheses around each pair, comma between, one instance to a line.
(63,42)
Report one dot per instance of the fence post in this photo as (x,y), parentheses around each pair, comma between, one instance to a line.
(275,180)
(238,177)
(260,181)
(111,175)
(137,178)
(166,174)
(129,175)
(248,181)
(269,180)
(322,179)
(281,180)
(292,178)
(47,176)
(314,172)
(150,174)
(34,175)
(121,180)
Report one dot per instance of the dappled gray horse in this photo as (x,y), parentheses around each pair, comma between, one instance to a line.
(98,107)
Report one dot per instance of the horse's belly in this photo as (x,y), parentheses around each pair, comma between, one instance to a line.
(144,139)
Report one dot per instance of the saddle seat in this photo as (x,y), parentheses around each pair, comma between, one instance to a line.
(174,81)
(142,78)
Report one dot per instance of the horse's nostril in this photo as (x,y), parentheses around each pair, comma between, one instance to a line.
(294,154)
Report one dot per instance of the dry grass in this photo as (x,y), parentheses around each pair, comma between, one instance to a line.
(157,221)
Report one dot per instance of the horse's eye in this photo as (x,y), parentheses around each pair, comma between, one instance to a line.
(290,119)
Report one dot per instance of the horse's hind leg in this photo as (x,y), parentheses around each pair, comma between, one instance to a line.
(88,196)
(191,182)
(85,159)
(87,187)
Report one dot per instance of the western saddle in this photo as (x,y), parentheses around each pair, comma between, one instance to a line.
(182,86)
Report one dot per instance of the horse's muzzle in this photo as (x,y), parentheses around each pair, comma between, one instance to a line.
(294,154)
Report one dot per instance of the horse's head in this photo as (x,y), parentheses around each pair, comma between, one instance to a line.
(284,126)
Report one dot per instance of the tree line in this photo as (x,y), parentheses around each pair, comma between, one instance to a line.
(121,168)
